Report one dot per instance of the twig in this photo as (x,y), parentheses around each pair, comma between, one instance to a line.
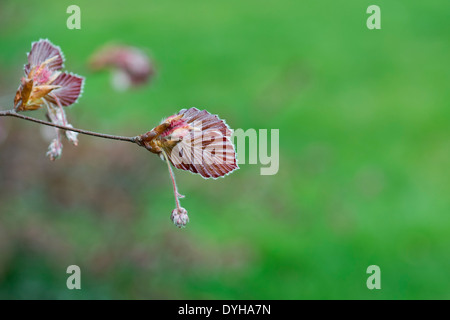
(12,113)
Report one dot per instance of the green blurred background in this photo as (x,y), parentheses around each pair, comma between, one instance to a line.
(364,154)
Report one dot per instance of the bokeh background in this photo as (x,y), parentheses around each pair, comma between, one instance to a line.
(364,154)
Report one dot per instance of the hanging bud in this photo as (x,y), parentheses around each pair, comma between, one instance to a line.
(54,150)
(57,116)
(179,217)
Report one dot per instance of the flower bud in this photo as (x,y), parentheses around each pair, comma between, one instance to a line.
(180,217)
(54,150)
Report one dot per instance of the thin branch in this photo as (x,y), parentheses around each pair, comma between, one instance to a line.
(12,113)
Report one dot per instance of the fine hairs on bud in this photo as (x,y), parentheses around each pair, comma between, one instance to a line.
(54,150)
(179,217)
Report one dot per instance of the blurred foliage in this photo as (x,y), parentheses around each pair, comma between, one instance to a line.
(364,147)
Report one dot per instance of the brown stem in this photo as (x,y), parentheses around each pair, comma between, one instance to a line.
(12,113)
